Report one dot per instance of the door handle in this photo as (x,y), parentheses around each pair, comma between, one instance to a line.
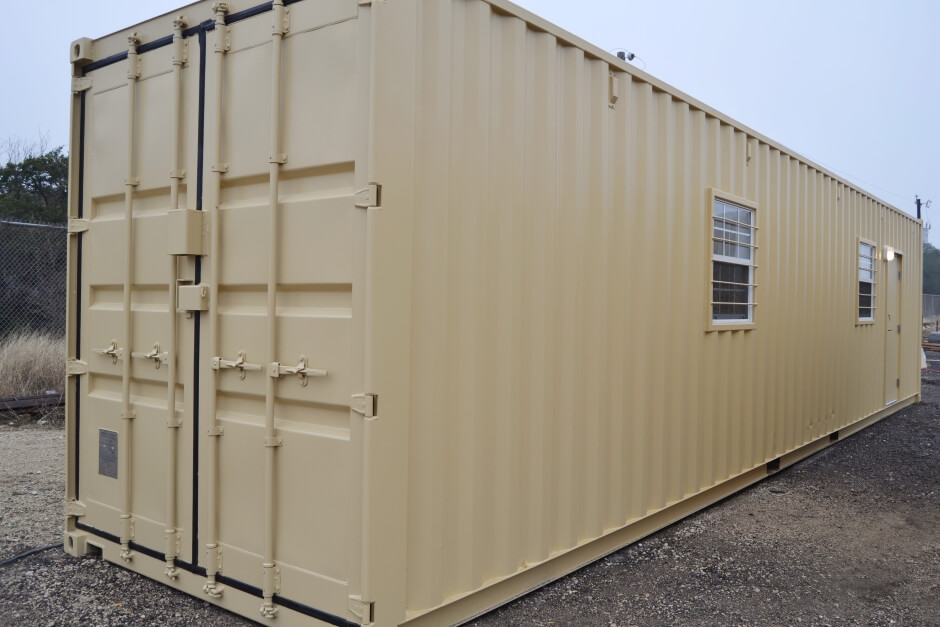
(111,351)
(301,370)
(239,364)
(157,357)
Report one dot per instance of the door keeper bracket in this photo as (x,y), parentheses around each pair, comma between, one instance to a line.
(369,197)
(364,610)
(365,404)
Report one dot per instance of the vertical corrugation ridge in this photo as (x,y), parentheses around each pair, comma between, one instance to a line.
(628,188)
(641,289)
(658,238)
(463,269)
(539,170)
(595,306)
(506,169)
(564,302)
(430,549)
(768,296)
(616,331)
(700,250)
(776,232)
(678,237)
(805,298)
(486,281)
(750,442)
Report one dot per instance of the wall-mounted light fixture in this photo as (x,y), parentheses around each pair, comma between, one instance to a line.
(889,253)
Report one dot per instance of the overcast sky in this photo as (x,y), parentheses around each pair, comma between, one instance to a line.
(852,85)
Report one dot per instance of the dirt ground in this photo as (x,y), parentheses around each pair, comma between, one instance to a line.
(850,536)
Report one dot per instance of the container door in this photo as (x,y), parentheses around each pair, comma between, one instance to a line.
(132,456)
(892,330)
(301,366)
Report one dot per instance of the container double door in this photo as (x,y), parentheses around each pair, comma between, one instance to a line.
(153,462)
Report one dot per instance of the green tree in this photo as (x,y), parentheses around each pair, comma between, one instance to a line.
(35,187)
(931,269)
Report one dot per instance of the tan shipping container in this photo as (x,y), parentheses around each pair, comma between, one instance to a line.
(446,303)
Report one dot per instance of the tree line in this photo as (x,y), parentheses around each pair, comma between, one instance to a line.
(33,189)
(33,182)
(931,269)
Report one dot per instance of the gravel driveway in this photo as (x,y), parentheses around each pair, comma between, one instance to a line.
(850,536)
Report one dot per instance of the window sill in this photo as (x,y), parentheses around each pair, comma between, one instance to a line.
(864,323)
(729,326)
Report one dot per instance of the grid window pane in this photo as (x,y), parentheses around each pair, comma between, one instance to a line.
(866,300)
(730,291)
(866,281)
(732,269)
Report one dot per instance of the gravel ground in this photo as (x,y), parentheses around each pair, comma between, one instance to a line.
(850,536)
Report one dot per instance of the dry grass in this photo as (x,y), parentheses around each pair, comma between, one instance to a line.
(31,363)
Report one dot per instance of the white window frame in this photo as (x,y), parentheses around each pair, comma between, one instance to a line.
(715,324)
(872,274)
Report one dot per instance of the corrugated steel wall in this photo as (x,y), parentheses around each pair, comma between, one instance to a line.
(564,384)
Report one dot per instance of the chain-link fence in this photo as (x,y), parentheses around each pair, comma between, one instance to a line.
(32,277)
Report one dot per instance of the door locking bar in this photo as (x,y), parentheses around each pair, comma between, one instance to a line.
(276,369)
(239,364)
(111,351)
(157,357)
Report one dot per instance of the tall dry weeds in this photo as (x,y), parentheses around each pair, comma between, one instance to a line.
(31,362)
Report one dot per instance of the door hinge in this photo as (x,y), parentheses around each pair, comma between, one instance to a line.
(281,24)
(898,383)
(365,404)
(364,610)
(223,43)
(77,225)
(370,197)
(74,367)
(74,508)
(80,84)
(214,552)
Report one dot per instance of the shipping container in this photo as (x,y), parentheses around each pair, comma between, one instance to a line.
(387,312)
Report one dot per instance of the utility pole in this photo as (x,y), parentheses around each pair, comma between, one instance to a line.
(925,205)
(919,202)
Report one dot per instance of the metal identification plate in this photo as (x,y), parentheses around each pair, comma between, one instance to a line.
(108,453)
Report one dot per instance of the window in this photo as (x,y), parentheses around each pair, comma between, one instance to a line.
(866,281)
(733,256)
